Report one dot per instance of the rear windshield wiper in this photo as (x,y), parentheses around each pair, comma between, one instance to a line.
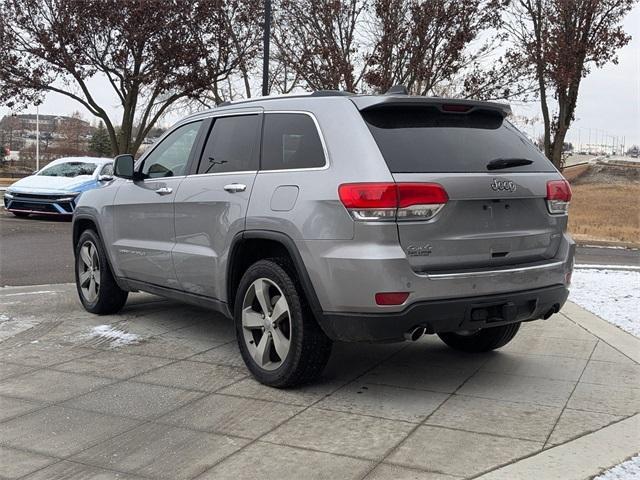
(500,163)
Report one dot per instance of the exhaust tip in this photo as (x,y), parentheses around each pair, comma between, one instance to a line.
(552,310)
(414,334)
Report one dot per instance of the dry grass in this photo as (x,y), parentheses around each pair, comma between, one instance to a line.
(606,212)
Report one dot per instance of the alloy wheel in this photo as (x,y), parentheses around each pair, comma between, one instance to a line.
(89,271)
(266,324)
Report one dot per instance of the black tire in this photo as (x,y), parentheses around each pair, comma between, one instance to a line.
(21,214)
(309,348)
(483,340)
(110,297)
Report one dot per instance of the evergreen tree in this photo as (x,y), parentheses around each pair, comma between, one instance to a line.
(100,142)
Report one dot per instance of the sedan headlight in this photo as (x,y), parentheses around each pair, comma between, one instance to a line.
(72,196)
(8,195)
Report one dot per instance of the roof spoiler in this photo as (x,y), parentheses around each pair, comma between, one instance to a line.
(448,105)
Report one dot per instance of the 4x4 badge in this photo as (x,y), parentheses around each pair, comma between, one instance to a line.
(503,185)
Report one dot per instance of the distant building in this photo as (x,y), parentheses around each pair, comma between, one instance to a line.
(49,124)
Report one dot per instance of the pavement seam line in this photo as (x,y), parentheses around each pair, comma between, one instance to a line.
(550,432)
(341,385)
(569,397)
(138,423)
(567,444)
(423,423)
(605,326)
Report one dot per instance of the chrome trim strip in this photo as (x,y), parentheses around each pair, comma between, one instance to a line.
(219,174)
(157,179)
(487,273)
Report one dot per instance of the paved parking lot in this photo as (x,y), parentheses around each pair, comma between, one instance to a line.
(160,391)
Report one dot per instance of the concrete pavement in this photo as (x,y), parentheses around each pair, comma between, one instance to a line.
(160,391)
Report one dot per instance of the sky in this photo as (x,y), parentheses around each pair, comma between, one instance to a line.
(608,102)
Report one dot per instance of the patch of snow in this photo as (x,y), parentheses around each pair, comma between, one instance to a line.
(117,338)
(614,247)
(613,295)
(10,326)
(629,470)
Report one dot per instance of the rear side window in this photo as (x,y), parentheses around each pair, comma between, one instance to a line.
(426,140)
(290,140)
(231,145)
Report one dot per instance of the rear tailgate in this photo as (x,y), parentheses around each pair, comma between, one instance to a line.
(480,227)
(495,216)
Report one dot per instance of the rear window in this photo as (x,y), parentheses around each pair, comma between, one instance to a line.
(290,140)
(425,140)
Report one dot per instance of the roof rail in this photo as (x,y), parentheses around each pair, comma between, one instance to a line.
(331,93)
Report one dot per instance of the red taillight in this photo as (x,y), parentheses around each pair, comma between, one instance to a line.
(421,194)
(368,195)
(391,201)
(559,190)
(455,108)
(558,196)
(391,298)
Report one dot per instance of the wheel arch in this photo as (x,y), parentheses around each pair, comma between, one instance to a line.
(252,245)
(86,222)
(80,224)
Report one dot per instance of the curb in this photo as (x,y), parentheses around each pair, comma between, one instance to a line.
(584,457)
(622,341)
(588,266)
(589,455)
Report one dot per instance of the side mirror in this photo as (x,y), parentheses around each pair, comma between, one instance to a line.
(123,166)
(105,178)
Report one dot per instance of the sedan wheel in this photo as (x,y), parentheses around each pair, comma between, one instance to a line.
(89,271)
(266,324)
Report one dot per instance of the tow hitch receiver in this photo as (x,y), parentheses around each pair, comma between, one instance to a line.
(501,312)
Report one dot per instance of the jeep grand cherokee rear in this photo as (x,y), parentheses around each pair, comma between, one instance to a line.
(479,218)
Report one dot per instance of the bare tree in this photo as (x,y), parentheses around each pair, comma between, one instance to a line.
(560,41)
(153,53)
(318,39)
(426,46)
(73,130)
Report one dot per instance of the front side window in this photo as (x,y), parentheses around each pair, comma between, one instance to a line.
(231,145)
(290,140)
(68,169)
(107,169)
(170,157)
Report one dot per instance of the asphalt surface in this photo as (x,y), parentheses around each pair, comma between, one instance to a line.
(35,250)
(38,251)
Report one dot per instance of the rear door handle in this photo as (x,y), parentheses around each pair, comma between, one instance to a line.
(235,187)
(164,191)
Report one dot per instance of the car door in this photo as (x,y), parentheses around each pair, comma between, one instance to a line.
(144,232)
(211,204)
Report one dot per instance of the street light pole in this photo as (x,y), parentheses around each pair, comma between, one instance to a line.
(266,41)
(37,136)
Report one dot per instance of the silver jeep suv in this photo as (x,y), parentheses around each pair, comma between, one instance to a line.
(331,216)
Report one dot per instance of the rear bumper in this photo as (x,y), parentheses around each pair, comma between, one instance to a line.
(468,313)
(346,275)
